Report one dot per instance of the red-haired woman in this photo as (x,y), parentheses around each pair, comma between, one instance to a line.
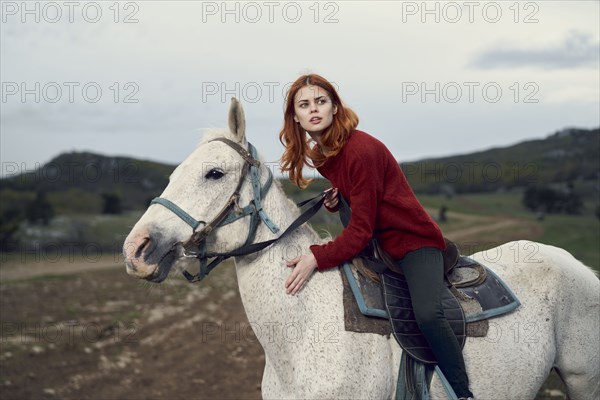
(364,171)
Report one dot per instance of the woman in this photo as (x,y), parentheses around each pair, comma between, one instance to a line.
(364,171)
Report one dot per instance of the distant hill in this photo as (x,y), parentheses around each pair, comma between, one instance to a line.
(85,177)
(567,156)
(76,182)
(62,201)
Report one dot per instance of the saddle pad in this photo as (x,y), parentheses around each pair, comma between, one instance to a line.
(363,313)
(364,305)
(404,325)
(494,296)
(368,294)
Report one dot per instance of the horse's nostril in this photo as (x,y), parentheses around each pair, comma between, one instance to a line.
(141,247)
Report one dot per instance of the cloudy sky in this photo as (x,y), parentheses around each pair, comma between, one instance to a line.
(143,78)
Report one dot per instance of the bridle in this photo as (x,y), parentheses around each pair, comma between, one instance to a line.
(195,246)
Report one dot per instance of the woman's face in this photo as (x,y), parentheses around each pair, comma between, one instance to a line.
(313,109)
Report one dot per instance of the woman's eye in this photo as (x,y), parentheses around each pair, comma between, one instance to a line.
(214,174)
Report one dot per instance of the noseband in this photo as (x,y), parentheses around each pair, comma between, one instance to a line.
(231,212)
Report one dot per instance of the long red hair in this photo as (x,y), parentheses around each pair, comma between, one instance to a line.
(298,150)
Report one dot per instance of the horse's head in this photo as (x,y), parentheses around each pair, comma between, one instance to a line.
(200,187)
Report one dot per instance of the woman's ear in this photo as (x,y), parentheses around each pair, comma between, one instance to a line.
(334,108)
(296,118)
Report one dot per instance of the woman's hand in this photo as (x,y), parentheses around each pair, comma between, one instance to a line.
(305,265)
(331,198)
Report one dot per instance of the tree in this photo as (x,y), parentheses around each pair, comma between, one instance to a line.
(112,204)
(550,201)
(9,224)
(39,210)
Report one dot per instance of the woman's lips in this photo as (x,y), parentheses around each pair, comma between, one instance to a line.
(315,120)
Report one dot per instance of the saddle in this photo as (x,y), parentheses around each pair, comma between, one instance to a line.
(384,283)
(377,300)
(451,256)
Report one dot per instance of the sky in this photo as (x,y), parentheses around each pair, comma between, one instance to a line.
(144,78)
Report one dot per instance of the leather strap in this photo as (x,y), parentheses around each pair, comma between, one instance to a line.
(195,246)
(255,247)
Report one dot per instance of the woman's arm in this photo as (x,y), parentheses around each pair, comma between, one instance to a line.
(365,174)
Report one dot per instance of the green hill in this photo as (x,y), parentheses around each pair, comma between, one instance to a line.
(64,196)
(567,156)
(78,186)
(76,182)
(570,155)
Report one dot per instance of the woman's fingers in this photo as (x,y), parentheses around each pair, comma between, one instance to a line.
(292,262)
(296,285)
(305,266)
(331,200)
(290,280)
(293,282)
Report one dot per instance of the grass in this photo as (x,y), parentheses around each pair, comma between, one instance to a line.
(578,234)
(485,204)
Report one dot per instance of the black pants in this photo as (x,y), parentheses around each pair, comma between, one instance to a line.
(424,272)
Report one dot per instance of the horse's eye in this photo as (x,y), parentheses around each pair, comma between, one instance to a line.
(214,174)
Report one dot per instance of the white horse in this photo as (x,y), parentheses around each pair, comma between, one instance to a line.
(308,353)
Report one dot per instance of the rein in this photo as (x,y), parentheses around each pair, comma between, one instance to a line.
(231,212)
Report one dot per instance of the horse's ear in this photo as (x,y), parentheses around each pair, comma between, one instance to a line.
(237,120)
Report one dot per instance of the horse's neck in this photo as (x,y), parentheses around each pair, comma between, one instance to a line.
(261,276)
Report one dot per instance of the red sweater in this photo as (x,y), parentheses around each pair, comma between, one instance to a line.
(382,202)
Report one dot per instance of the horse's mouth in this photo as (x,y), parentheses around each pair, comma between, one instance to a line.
(163,267)
(150,269)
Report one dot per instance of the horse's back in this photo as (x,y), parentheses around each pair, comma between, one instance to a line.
(556,325)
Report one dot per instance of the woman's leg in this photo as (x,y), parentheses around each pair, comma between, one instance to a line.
(424,272)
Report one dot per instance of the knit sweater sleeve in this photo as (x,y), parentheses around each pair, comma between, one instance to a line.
(365,174)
